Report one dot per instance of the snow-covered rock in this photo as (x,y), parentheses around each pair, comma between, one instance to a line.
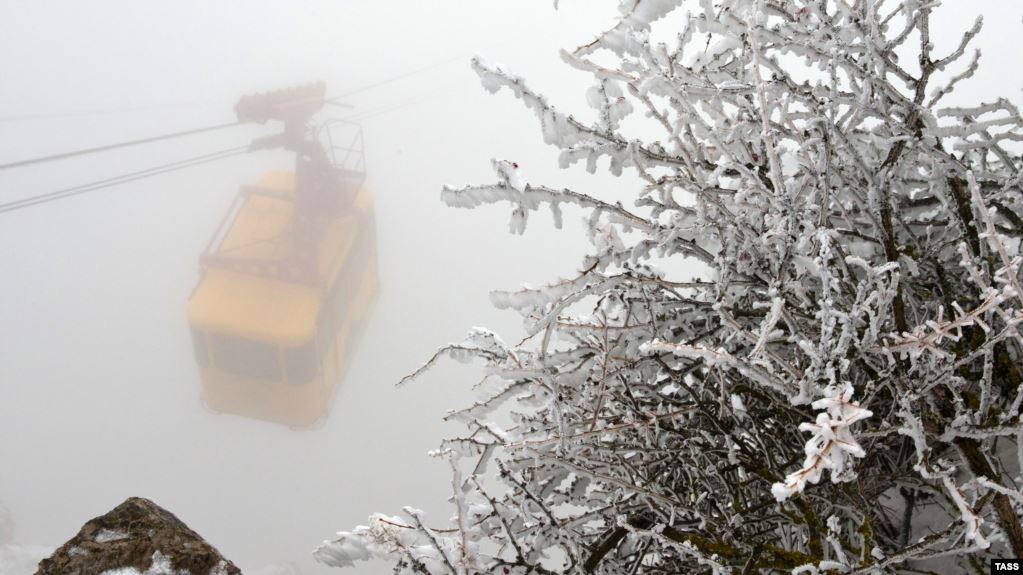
(137,537)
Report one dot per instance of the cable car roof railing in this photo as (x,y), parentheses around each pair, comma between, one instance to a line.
(354,153)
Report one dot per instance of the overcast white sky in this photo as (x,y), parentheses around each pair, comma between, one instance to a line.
(98,390)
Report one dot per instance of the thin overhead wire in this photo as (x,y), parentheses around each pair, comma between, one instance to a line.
(106,111)
(125,178)
(391,79)
(39,160)
(333,101)
(463,57)
(392,107)
(117,180)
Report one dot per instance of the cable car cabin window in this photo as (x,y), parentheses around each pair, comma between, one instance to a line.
(351,276)
(246,357)
(301,363)
(202,351)
(337,304)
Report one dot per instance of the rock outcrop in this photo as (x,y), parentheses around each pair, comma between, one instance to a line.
(137,537)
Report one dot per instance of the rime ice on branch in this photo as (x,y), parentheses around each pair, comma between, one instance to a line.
(859,239)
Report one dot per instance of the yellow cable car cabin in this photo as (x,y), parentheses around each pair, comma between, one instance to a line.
(285,284)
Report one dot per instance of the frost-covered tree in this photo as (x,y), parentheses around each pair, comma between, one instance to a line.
(838,390)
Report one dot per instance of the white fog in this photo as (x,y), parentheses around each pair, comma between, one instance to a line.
(99,388)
